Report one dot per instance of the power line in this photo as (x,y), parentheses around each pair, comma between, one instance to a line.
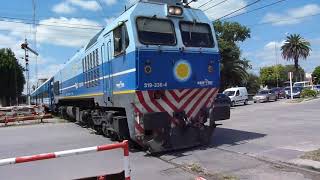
(284,20)
(215,5)
(271,4)
(239,9)
(102,8)
(204,4)
(24,19)
(51,25)
(79,34)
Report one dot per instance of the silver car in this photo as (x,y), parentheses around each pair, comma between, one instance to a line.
(265,96)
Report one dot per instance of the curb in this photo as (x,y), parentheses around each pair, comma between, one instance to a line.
(306,163)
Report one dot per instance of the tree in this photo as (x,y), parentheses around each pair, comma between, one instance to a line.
(299,74)
(316,75)
(11,76)
(233,68)
(277,76)
(273,76)
(294,48)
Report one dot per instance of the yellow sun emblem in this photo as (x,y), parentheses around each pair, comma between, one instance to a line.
(182,70)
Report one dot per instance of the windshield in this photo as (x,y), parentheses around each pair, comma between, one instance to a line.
(296,89)
(229,93)
(196,34)
(263,92)
(155,31)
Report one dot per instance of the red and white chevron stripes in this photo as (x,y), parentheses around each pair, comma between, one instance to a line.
(188,100)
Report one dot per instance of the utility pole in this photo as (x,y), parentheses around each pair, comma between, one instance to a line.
(26,49)
(35,38)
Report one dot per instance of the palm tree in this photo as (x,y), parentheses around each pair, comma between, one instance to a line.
(294,48)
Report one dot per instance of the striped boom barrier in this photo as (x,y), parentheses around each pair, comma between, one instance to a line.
(123,145)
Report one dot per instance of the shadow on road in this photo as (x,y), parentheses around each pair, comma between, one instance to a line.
(223,136)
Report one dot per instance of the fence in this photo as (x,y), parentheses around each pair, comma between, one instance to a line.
(22,113)
(123,145)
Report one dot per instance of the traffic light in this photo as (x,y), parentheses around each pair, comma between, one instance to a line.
(27,59)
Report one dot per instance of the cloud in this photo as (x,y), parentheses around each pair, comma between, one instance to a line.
(64,36)
(86,5)
(291,16)
(71,32)
(270,54)
(222,9)
(63,8)
(70,6)
(110,2)
(13,43)
(109,20)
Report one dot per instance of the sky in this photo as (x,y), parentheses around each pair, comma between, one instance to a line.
(64,26)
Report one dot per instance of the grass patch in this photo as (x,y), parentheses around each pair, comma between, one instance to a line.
(312,155)
(196,168)
(299,100)
(227,177)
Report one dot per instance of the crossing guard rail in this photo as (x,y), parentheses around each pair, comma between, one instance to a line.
(124,145)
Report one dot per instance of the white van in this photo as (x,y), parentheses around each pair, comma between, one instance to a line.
(237,95)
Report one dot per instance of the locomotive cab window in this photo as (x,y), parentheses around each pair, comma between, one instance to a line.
(120,39)
(196,34)
(153,31)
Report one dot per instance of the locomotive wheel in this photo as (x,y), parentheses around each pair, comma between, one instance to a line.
(98,129)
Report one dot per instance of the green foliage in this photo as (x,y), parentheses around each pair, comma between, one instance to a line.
(294,48)
(11,75)
(316,75)
(277,75)
(308,93)
(233,68)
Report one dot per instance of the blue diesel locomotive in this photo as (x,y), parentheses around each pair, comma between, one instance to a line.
(150,76)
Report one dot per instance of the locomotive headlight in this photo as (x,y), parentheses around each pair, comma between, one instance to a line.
(171,10)
(178,11)
(175,10)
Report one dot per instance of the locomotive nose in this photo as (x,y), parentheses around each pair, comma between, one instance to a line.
(177,70)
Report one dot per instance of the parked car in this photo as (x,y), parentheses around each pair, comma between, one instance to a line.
(296,92)
(280,92)
(237,95)
(265,96)
(286,90)
(221,107)
(317,87)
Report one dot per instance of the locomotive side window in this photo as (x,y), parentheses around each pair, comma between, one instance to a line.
(97,68)
(120,39)
(155,31)
(196,34)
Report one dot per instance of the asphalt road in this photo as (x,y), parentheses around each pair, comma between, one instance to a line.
(256,143)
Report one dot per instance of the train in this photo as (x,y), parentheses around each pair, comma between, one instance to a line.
(150,76)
